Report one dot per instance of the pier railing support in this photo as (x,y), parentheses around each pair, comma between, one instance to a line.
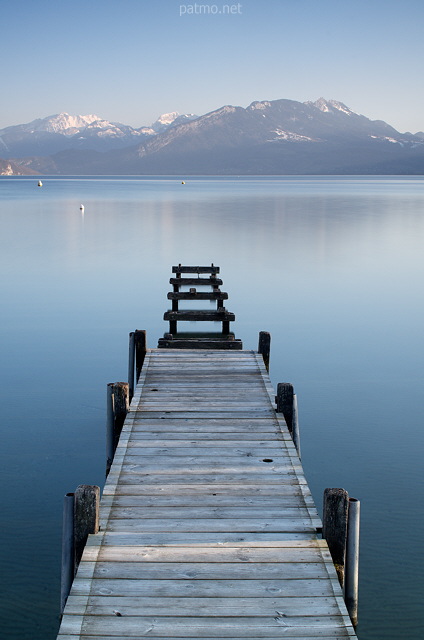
(334,527)
(117,409)
(86,521)
(137,352)
(264,347)
(286,401)
(80,518)
(340,528)
(352,560)
(68,549)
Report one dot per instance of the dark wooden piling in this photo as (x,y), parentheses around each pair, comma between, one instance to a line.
(334,527)
(284,399)
(80,518)
(117,409)
(136,355)
(287,405)
(140,350)
(68,549)
(86,516)
(264,347)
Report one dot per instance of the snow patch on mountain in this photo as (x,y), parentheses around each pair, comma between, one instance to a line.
(388,139)
(259,105)
(63,123)
(167,118)
(289,135)
(328,106)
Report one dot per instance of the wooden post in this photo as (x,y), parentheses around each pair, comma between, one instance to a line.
(352,560)
(68,549)
(140,350)
(86,516)
(131,365)
(264,347)
(117,409)
(334,527)
(284,399)
(296,429)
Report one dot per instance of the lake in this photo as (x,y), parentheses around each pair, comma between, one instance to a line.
(332,267)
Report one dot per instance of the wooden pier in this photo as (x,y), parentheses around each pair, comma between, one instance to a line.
(207,525)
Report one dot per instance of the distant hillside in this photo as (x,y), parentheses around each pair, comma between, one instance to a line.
(62,132)
(8,168)
(266,138)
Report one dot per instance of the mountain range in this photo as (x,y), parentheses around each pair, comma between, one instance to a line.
(266,138)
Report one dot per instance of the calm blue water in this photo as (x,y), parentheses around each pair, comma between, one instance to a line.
(332,267)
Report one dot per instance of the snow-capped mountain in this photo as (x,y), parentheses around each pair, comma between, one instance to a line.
(267,137)
(61,123)
(62,131)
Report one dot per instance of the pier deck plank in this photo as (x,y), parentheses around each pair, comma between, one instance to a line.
(208,528)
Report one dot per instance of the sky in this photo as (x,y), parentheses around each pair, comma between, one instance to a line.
(129,61)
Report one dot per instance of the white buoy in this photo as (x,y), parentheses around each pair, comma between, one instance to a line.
(81,207)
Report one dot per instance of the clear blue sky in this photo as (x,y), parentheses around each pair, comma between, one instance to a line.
(131,60)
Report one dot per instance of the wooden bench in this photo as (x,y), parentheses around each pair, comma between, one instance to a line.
(220,314)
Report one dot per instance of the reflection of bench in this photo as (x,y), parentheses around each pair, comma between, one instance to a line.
(175,339)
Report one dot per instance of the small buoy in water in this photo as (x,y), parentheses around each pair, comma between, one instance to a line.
(40,184)
(81,207)
(183,182)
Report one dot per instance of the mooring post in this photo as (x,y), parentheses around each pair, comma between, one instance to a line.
(86,516)
(136,355)
(140,350)
(334,527)
(68,549)
(352,560)
(131,365)
(295,424)
(117,409)
(264,347)
(284,401)
(80,517)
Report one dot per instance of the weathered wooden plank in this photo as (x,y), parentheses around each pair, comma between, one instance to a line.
(139,553)
(196,315)
(174,606)
(192,627)
(198,295)
(195,269)
(201,437)
(211,281)
(245,490)
(191,465)
(298,587)
(206,539)
(204,513)
(211,500)
(221,416)
(213,525)
(136,475)
(298,633)
(227,455)
(204,570)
